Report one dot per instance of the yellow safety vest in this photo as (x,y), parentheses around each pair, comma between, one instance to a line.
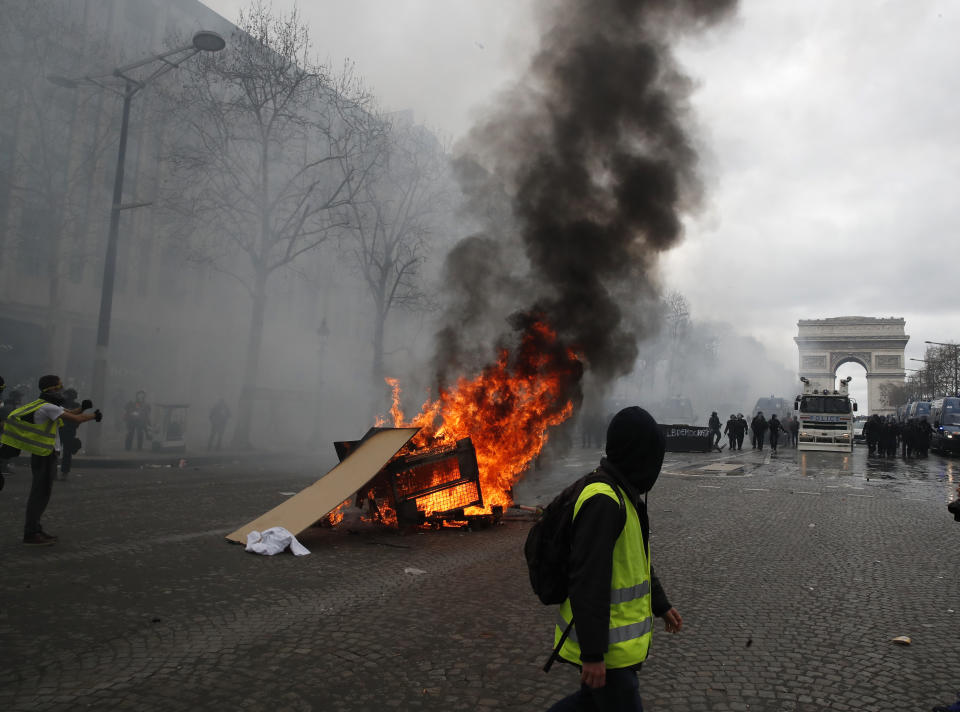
(631,608)
(23,435)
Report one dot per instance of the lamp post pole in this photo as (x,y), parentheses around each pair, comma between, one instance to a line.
(203,41)
(109,273)
(926,377)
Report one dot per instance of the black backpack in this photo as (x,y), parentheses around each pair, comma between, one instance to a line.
(547,548)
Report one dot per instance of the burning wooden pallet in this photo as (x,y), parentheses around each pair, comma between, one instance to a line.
(435,486)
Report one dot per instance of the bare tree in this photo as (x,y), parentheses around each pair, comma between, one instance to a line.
(677,314)
(943,368)
(394,220)
(272,150)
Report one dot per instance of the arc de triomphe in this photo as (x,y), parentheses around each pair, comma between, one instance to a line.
(877,344)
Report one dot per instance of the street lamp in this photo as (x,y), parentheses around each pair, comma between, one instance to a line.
(127,87)
(926,376)
(956,371)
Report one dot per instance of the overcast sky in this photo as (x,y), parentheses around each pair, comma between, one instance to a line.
(829,133)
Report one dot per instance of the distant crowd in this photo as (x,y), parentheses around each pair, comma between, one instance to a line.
(885,437)
(774,430)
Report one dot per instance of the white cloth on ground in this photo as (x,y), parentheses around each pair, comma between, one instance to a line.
(274,540)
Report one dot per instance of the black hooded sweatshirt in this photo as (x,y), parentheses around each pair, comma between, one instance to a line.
(635,448)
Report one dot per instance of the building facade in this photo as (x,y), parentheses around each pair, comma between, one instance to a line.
(177,326)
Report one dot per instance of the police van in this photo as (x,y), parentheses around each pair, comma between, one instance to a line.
(945,419)
(917,410)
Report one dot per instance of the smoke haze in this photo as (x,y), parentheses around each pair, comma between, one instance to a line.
(592,148)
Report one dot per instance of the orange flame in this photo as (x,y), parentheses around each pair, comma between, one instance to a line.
(506,410)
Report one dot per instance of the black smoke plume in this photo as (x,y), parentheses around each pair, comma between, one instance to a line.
(578,180)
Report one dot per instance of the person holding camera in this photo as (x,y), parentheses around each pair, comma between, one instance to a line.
(35,428)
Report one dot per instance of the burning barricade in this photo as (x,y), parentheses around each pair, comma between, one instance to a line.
(435,487)
(458,459)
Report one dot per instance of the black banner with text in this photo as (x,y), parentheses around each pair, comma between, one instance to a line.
(686,438)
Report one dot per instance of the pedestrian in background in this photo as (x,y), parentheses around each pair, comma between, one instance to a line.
(758,427)
(741,430)
(775,427)
(730,430)
(924,433)
(13,400)
(614,592)
(872,430)
(219,415)
(35,427)
(892,430)
(7,406)
(137,417)
(714,424)
(794,431)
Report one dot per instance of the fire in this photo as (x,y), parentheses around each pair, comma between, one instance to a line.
(336,516)
(383,513)
(506,410)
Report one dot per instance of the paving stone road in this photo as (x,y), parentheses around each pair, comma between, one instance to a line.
(793,573)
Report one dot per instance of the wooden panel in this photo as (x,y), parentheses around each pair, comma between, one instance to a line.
(327,493)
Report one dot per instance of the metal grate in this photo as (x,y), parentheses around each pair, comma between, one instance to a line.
(457,497)
(415,480)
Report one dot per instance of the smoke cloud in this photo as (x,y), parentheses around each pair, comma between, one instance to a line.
(578,179)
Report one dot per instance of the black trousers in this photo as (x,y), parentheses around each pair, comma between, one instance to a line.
(67,436)
(44,469)
(140,431)
(620,694)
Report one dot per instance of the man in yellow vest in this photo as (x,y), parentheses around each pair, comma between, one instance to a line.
(35,428)
(614,593)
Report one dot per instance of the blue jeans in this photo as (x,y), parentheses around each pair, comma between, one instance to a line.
(620,694)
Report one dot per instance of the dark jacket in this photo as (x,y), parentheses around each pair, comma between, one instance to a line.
(635,450)
(731,428)
(776,427)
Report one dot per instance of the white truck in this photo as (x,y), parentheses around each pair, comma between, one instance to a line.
(826,417)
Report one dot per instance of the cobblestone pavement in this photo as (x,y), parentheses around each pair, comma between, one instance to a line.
(793,573)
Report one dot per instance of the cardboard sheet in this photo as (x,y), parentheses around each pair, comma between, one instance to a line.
(327,493)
